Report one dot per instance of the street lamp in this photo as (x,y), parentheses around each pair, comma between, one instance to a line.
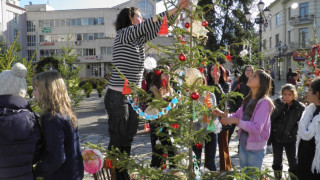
(261,20)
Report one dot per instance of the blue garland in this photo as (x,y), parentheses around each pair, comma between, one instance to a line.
(164,111)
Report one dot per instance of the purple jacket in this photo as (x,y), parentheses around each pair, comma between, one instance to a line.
(259,125)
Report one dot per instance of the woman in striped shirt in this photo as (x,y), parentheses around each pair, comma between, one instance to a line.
(128,57)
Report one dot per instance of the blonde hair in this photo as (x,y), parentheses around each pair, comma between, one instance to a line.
(53,95)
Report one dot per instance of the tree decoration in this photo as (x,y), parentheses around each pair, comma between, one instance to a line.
(92,160)
(187,25)
(157,72)
(199,145)
(164,82)
(195,96)
(205,23)
(126,88)
(243,53)
(146,127)
(150,63)
(201,69)
(193,75)
(229,57)
(175,126)
(182,57)
(198,30)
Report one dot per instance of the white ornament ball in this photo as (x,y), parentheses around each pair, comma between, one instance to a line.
(150,63)
(192,75)
(243,53)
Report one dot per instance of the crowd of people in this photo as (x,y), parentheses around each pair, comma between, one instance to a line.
(48,146)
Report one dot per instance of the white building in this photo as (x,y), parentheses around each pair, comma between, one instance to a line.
(90,31)
(12,23)
(294,25)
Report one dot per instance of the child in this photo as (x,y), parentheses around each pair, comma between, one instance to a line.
(284,126)
(19,128)
(160,90)
(61,158)
(308,139)
(253,120)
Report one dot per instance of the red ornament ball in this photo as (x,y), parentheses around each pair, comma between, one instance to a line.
(201,69)
(195,96)
(164,155)
(176,126)
(199,145)
(157,72)
(187,25)
(205,23)
(182,57)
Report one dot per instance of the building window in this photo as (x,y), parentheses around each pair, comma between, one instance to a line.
(84,22)
(289,13)
(79,52)
(103,50)
(73,22)
(101,21)
(79,37)
(264,44)
(30,26)
(30,54)
(96,70)
(57,22)
(31,40)
(91,21)
(15,33)
(15,17)
(145,8)
(270,23)
(59,52)
(289,37)
(303,37)
(98,35)
(270,42)
(109,50)
(89,52)
(47,52)
(277,40)
(277,19)
(304,11)
(63,22)
(91,36)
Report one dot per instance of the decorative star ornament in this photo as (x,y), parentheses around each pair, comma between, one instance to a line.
(229,57)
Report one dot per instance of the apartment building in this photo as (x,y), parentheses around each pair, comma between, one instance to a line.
(291,28)
(12,23)
(90,31)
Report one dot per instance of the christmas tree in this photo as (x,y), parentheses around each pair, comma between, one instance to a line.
(187,58)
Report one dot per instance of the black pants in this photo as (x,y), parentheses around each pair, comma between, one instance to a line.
(210,152)
(157,153)
(290,149)
(123,124)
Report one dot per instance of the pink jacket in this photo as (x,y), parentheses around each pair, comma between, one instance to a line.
(259,125)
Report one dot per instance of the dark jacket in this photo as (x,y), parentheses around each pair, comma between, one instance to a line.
(19,133)
(284,121)
(62,158)
(241,88)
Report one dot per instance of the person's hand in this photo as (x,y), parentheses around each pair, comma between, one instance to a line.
(229,120)
(219,113)
(183,4)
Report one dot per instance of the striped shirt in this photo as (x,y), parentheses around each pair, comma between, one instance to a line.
(128,51)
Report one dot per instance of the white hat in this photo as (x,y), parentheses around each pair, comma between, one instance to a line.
(13,82)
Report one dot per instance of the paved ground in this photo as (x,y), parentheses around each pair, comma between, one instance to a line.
(92,120)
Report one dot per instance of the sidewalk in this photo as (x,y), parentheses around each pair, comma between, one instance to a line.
(93,127)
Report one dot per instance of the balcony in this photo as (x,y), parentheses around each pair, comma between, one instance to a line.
(301,20)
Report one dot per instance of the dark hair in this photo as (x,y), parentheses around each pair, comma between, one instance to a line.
(315,86)
(243,78)
(294,74)
(263,92)
(223,75)
(124,18)
(290,87)
(150,80)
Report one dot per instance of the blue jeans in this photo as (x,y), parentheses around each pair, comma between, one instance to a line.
(251,158)
(210,152)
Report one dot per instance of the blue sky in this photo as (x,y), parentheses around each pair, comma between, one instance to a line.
(82,4)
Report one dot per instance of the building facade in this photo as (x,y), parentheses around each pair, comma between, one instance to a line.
(292,28)
(90,32)
(12,23)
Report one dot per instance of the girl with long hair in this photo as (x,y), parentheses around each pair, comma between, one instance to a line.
(61,157)
(284,126)
(240,86)
(219,79)
(253,120)
(161,89)
(308,138)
